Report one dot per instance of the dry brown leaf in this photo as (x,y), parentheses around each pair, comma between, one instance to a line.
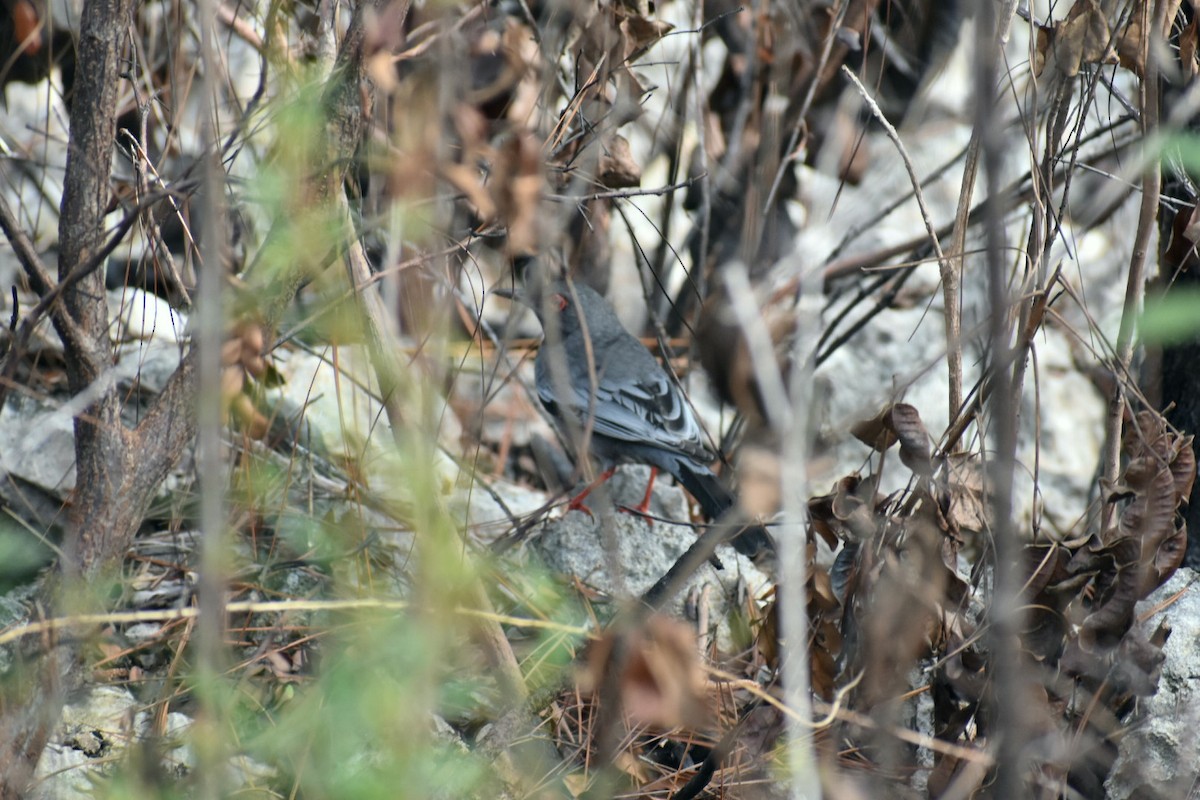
(253,423)
(1158,476)
(26,28)
(527,94)
(823,672)
(632,766)
(1130,46)
(915,449)
(381,67)
(843,515)
(233,379)
(617,169)
(725,354)
(662,684)
(1082,38)
(109,649)
(576,783)
(969,510)
(899,422)
(639,33)
(875,432)
(767,640)
(518,183)
(856,514)
(821,595)
(472,129)
(468,181)
(1188,41)
(231,352)
(1183,468)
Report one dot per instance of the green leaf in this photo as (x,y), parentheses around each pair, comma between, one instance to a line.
(1171,318)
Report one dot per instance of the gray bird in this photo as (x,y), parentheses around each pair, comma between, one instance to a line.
(602,384)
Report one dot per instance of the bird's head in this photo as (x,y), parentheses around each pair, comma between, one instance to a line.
(558,301)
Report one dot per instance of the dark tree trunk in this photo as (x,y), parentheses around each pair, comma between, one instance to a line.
(1179,270)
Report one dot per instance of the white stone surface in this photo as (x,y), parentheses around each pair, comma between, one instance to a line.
(1160,753)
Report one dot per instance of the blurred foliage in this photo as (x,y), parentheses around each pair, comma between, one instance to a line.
(1172,317)
(501,138)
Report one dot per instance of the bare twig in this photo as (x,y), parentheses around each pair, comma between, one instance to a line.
(211,454)
(810,93)
(951,294)
(1135,283)
(792,541)
(74,621)
(1006,611)
(952,313)
(623,193)
(39,276)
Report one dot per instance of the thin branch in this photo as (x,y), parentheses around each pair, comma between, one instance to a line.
(1135,283)
(112,618)
(949,273)
(1006,611)
(835,26)
(792,541)
(623,193)
(958,245)
(49,300)
(39,276)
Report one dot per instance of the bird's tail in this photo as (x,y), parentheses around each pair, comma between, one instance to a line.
(753,542)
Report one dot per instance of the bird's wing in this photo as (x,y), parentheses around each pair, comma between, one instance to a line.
(650,410)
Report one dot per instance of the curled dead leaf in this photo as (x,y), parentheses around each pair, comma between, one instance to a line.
(875,432)
(253,423)
(256,365)
(231,352)
(233,378)
(899,422)
(1082,38)
(661,682)
(1132,46)
(26,28)
(253,338)
(915,449)
(517,190)
(469,181)
(1189,38)
(617,169)
(1157,479)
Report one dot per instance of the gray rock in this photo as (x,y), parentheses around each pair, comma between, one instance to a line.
(37,444)
(136,315)
(98,726)
(485,519)
(623,555)
(63,773)
(93,727)
(1160,755)
(241,772)
(147,365)
(143,632)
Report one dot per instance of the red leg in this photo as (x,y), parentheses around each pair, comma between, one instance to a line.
(576,502)
(644,508)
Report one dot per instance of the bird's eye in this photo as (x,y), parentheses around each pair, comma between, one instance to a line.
(561,302)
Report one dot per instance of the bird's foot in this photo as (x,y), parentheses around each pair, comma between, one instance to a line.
(576,502)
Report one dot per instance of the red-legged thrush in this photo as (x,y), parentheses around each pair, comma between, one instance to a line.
(600,382)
